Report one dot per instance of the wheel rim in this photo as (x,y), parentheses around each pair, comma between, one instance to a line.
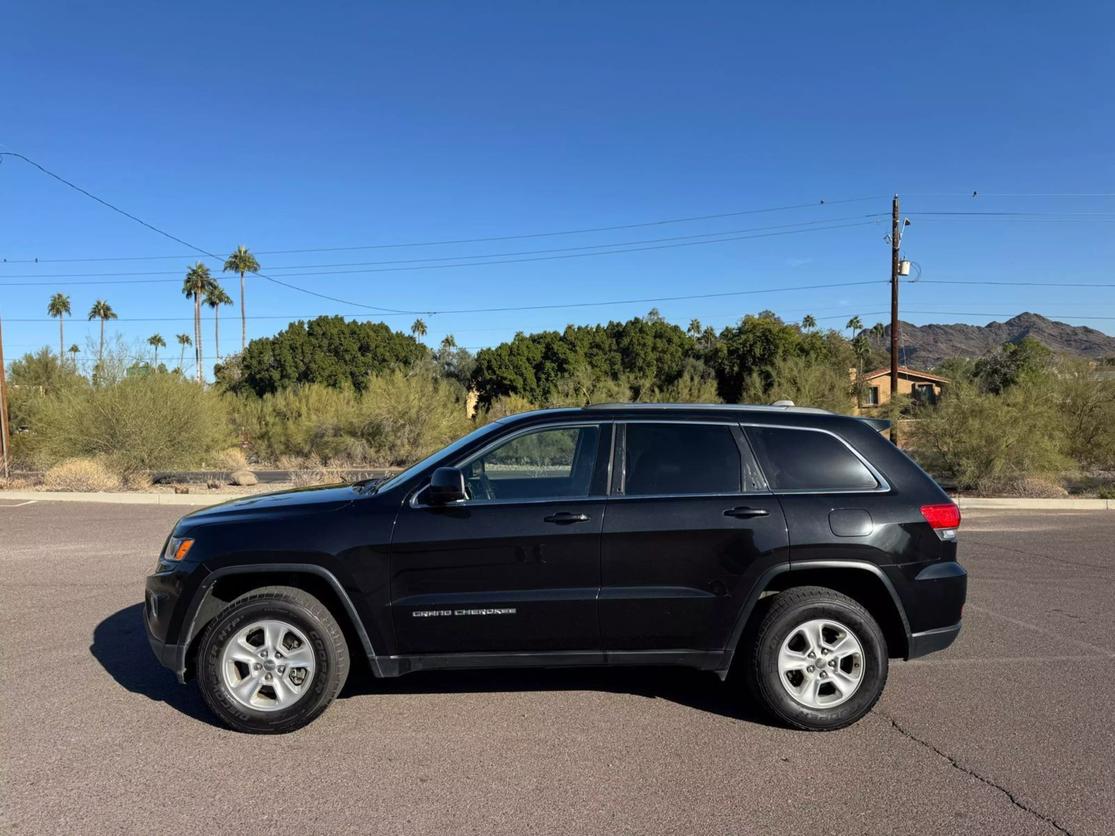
(268,665)
(820,663)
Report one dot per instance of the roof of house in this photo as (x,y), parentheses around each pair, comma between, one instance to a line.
(908,372)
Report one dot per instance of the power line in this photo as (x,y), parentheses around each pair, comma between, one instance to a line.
(175,238)
(486,239)
(800,226)
(642,300)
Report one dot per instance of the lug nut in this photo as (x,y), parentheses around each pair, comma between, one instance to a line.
(825,651)
(809,669)
(258,666)
(282,668)
(823,675)
(832,664)
(268,677)
(263,654)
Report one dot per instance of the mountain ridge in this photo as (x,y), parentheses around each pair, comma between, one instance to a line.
(925,346)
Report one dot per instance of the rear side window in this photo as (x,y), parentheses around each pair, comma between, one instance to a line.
(804,460)
(681,459)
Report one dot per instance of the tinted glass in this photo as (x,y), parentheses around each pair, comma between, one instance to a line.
(681,459)
(556,462)
(800,460)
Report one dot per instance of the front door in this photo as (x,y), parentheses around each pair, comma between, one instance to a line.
(516,567)
(690,527)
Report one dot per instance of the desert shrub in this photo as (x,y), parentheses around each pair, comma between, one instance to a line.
(230,459)
(502,407)
(803,380)
(81,474)
(143,422)
(406,416)
(309,421)
(983,441)
(1087,405)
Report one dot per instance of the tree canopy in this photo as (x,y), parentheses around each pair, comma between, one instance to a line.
(327,350)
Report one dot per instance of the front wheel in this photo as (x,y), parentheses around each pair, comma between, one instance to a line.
(818,661)
(272,661)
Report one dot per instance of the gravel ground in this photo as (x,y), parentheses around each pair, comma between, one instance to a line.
(1006,732)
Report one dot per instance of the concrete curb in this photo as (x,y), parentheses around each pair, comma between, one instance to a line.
(201,500)
(1022,504)
(120,498)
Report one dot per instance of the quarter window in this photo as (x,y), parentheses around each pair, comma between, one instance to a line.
(549,463)
(681,459)
(805,460)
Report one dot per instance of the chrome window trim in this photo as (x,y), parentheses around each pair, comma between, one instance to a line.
(883,485)
(468,503)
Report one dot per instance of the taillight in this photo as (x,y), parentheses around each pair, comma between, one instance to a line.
(943,518)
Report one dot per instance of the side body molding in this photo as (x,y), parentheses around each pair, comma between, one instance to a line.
(206,586)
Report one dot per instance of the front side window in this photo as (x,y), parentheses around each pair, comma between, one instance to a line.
(806,460)
(555,462)
(681,459)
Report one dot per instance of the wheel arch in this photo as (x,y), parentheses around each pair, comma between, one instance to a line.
(224,585)
(864,582)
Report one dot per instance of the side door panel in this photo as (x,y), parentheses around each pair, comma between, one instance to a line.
(677,567)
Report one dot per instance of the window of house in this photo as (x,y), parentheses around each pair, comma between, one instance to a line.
(872,396)
(806,460)
(686,459)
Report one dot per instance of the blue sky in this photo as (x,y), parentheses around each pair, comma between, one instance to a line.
(310,126)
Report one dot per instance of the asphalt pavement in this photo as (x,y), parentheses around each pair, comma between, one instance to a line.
(1009,731)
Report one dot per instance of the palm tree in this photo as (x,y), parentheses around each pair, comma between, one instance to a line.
(73,350)
(808,322)
(156,341)
(59,306)
(215,296)
(196,285)
(242,261)
(103,311)
(854,324)
(449,343)
(183,340)
(694,329)
(418,329)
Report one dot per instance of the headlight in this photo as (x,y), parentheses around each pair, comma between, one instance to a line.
(177,548)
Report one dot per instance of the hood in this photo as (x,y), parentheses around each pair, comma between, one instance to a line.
(319,499)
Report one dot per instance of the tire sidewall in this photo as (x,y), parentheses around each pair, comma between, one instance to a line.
(323,686)
(875,665)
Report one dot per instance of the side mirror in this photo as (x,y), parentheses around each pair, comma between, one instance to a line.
(447,485)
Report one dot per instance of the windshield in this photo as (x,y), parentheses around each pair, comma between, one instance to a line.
(443,453)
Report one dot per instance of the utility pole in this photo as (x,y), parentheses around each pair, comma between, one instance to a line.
(5,435)
(895,238)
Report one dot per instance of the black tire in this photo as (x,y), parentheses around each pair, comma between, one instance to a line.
(298,609)
(795,607)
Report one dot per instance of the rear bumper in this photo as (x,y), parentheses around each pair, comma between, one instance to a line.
(930,641)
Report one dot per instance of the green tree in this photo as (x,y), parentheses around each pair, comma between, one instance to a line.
(215,296)
(418,329)
(73,351)
(59,306)
(1012,364)
(103,311)
(156,341)
(183,341)
(326,350)
(242,261)
(808,322)
(196,285)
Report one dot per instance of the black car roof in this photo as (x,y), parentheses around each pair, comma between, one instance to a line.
(771,414)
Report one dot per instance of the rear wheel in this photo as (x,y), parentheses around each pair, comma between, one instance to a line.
(272,661)
(818,660)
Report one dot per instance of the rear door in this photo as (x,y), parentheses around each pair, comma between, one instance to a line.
(690,526)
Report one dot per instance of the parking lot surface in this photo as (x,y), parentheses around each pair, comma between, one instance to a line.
(1009,731)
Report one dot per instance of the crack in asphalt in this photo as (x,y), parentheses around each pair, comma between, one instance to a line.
(955,764)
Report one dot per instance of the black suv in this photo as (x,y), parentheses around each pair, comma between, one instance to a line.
(795,547)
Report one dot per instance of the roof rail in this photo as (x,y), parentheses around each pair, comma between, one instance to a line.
(776,407)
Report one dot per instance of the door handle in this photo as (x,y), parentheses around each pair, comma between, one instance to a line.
(565,517)
(743,512)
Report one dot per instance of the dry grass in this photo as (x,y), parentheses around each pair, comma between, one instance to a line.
(80,475)
(231,459)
